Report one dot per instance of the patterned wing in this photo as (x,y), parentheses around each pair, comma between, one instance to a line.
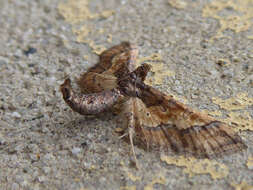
(114,62)
(160,121)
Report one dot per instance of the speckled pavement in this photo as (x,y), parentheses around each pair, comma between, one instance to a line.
(201,52)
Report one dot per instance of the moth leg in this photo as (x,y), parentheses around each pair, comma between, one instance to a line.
(131,133)
(89,104)
(122,136)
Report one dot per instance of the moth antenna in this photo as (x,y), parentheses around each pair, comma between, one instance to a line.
(131,133)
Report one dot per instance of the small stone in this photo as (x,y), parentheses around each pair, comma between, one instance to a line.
(236,59)
(75,150)
(16,114)
(33,157)
(222,62)
(46,170)
(41,178)
(18,53)
(19,179)
(48,157)
(194,96)
(179,89)
(2,62)
(19,147)
(14,186)
(29,51)
(177,82)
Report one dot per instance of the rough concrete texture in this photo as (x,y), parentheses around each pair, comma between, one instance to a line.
(201,52)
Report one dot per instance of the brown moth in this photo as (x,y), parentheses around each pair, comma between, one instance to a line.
(155,118)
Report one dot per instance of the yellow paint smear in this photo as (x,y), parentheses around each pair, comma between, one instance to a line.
(76,11)
(242,120)
(195,166)
(81,37)
(151,58)
(238,23)
(242,186)
(157,180)
(250,37)
(250,163)
(178,4)
(107,13)
(81,33)
(158,68)
(241,101)
(237,115)
(132,187)
(216,113)
(97,49)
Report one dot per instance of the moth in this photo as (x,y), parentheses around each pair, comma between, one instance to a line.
(150,116)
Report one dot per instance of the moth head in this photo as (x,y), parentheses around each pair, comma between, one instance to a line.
(132,85)
(142,71)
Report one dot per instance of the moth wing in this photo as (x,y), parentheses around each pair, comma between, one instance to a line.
(113,63)
(92,82)
(162,122)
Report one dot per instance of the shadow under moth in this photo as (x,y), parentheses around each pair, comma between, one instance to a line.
(154,118)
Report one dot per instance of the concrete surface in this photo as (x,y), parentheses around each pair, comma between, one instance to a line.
(201,52)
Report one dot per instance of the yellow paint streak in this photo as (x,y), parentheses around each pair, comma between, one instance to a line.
(158,69)
(250,163)
(81,33)
(128,187)
(216,113)
(250,37)
(242,120)
(157,180)
(238,23)
(241,101)
(76,11)
(242,186)
(86,57)
(97,49)
(193,166)
(81,37)
(153,57)
(178,4)
(107,13)
(237,115)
